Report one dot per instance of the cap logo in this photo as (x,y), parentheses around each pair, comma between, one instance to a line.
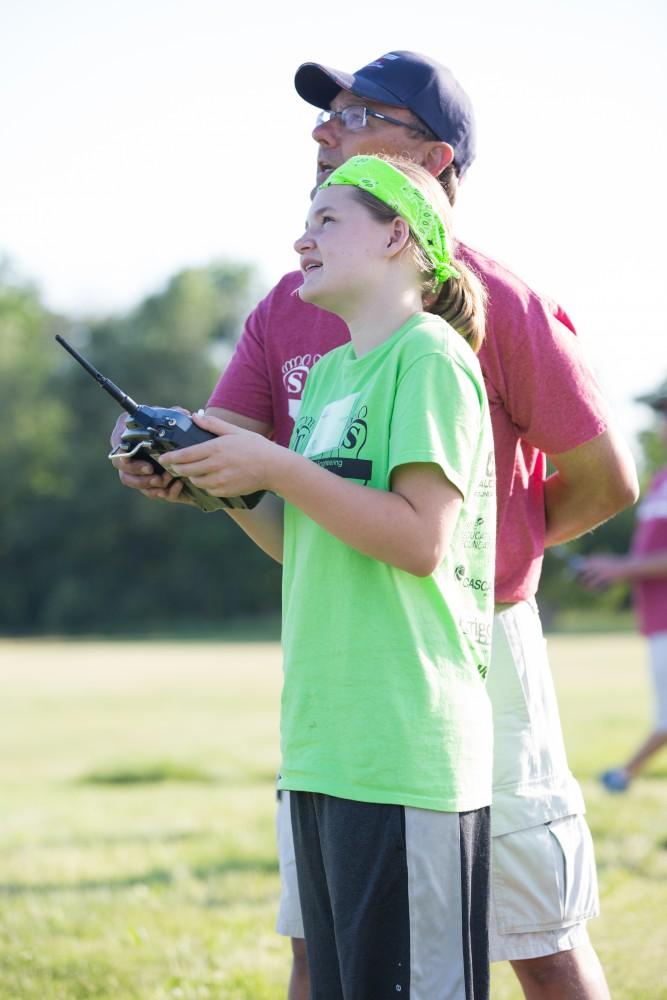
(379,63)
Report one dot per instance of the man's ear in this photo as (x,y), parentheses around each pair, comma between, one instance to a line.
(437,157)
(399,234)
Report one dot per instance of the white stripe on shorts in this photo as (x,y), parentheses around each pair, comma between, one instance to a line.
(432,841)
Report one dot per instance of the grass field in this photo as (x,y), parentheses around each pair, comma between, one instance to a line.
(136,833)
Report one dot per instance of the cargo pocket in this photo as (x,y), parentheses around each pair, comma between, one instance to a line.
(544,878)
(580,889)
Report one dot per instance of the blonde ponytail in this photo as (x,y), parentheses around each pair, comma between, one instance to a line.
(461,302)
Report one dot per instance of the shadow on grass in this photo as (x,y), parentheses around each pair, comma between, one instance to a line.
(149,773)
(94,841)
(157,772)
(156,877)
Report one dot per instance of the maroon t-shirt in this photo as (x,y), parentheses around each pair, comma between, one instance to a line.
(651,536)
(543,397)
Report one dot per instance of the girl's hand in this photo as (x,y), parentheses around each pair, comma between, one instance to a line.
(235,463)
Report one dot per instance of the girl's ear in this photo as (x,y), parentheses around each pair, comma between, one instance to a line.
(399,234)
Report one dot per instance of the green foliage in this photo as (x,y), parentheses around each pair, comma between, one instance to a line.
(654,451)
(80,552)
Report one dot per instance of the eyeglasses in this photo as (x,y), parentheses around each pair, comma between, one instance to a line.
(356,117)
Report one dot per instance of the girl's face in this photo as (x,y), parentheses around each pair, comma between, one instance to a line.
(344,250)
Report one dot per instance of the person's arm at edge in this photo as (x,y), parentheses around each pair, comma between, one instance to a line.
(651,566)
(592,482)
(600,571)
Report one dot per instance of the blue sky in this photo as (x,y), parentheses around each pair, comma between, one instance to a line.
(140,137)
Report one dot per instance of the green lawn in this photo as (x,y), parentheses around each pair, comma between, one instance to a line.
(137,853)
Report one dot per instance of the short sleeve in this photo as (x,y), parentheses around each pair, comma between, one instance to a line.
(245,384)
(536,370)
(437,418)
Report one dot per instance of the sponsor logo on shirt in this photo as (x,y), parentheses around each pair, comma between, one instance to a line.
(487,484)
(477,535)
(471,582)
(477,630)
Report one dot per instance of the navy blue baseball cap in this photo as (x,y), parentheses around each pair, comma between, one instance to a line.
(404,80)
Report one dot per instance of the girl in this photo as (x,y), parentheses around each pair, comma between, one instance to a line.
(387,544)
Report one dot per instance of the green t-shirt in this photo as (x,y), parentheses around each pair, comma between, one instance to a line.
(384,697)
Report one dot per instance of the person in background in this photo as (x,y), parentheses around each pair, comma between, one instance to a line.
(645,567)
(544,402)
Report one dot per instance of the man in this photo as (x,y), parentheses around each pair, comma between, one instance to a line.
(544,402)
(645,567)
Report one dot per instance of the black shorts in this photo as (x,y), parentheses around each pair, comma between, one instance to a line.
(394,899)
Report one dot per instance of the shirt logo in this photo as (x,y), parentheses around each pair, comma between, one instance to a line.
(296,370)
(471,582)
(478,631)
(337,439)
(476,535)
(332,425)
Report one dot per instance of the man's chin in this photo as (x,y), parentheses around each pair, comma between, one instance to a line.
(322,176)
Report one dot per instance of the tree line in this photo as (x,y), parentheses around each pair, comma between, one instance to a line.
(80,554)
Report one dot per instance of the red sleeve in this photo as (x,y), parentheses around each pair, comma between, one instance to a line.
(535,368)
(245,385)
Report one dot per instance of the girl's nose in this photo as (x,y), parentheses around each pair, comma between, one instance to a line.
(304,243)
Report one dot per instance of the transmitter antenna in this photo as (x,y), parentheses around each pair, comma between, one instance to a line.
(121,397)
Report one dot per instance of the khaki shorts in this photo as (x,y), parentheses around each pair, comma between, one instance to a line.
(543,890)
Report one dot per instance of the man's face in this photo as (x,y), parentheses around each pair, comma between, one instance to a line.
(337,143)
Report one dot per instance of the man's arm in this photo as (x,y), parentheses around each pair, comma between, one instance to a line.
(592,483)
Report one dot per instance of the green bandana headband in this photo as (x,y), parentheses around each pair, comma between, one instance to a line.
(392,187)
